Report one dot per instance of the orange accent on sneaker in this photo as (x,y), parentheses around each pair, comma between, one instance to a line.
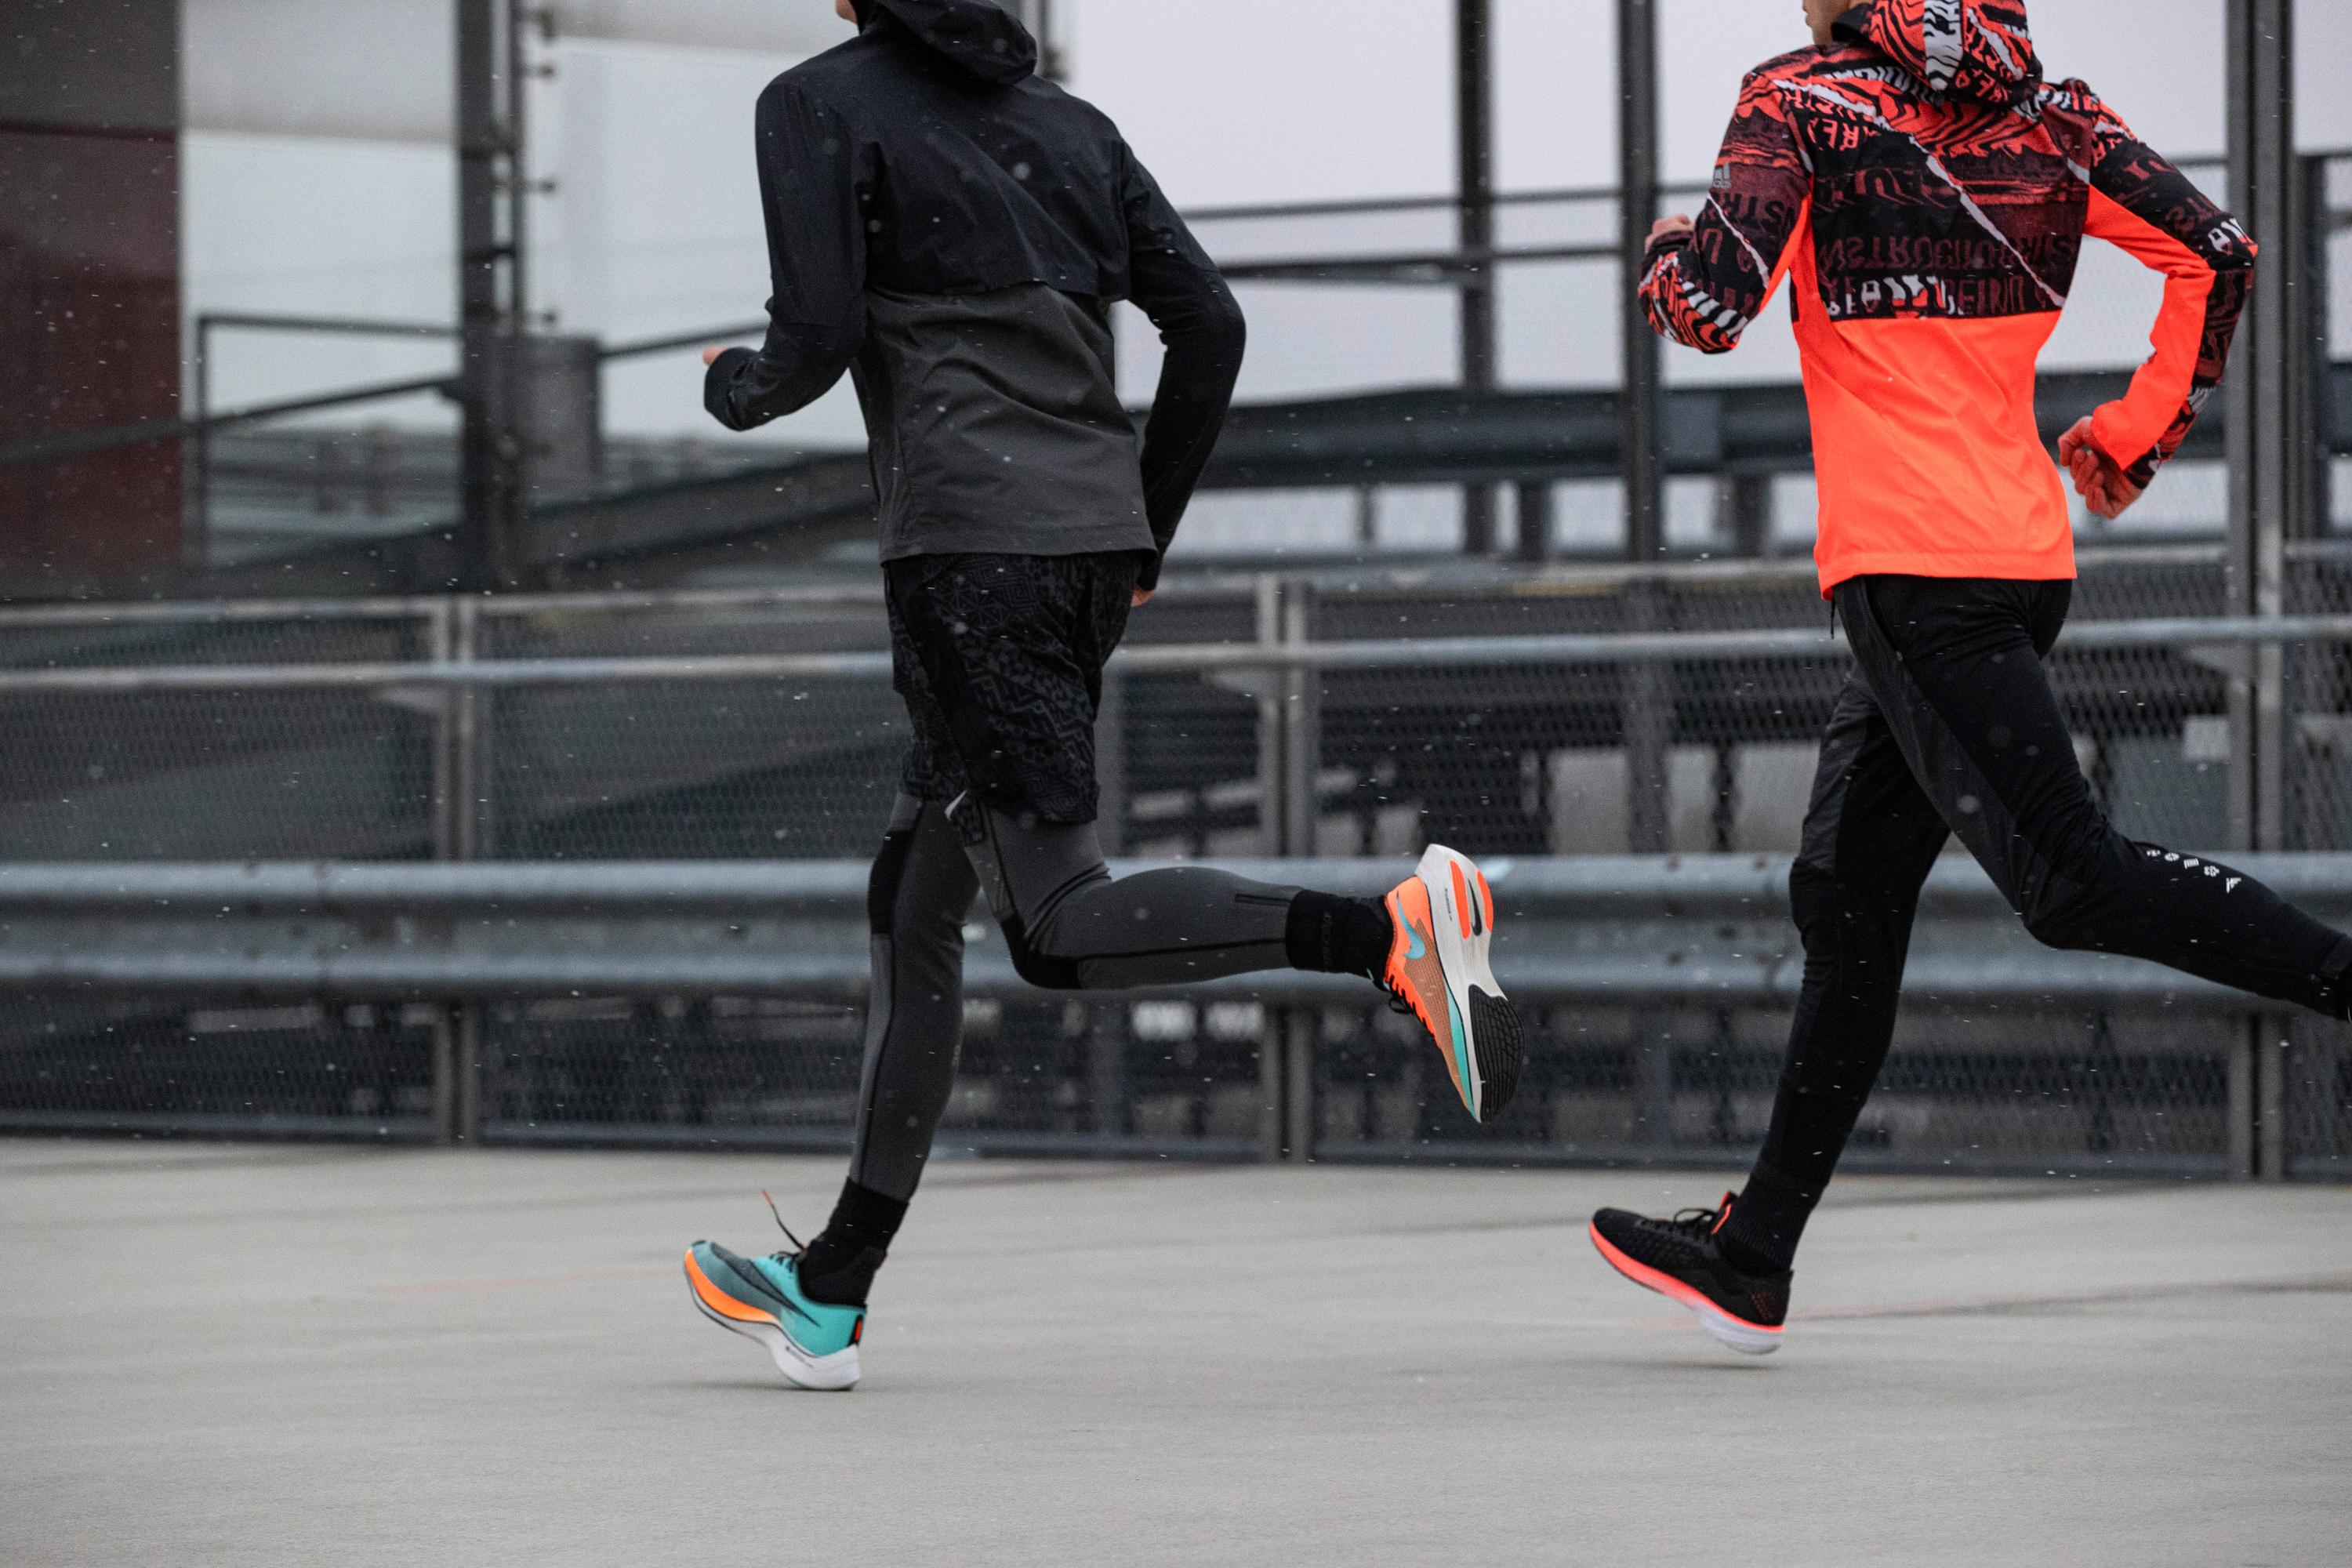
(1724,1217)
(719,1300)
(1420,982)
(1666,1285)
(1461,899)
(1486,898)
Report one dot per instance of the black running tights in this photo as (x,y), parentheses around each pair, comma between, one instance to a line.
(1948,726)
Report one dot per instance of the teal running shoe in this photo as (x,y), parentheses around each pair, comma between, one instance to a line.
(814,1344)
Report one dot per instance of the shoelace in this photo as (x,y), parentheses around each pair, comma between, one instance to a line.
(1700,1223)
(799,1246)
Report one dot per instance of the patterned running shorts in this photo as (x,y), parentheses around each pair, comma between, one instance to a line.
(1000,660)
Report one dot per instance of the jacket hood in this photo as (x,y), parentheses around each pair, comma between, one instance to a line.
(1972,48)
(977,36)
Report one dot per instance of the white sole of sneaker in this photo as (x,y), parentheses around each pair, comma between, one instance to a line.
(1748,1338)
(834,1373)
(1463,909)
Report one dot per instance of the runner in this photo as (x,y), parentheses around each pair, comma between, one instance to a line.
(952,231)
(1929,194)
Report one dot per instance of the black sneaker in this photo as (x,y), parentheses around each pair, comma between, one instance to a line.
(1679,1260)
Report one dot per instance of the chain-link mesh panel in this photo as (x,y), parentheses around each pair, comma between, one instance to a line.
(2317,1098)
(264,774)
(301,1069)
(2013,1092)
(1038,1074)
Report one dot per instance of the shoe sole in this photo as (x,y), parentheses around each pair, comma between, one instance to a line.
(1487,1051)
(1747,1338)
(834,1373)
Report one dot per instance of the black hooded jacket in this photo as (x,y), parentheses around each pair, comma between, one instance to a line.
(954,230)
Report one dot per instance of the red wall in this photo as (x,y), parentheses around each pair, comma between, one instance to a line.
(90,285)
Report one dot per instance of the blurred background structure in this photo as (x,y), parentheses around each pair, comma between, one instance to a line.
(422,724)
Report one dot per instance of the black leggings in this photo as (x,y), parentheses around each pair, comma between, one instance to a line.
(1948,726)
(1070,928)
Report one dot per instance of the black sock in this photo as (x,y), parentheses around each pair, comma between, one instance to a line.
(2335,977)
(1767,1221)
(839,1266)
(1328,935)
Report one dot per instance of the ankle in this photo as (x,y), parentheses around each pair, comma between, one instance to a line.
(1759,1236)
(837,1268)
(1331,935)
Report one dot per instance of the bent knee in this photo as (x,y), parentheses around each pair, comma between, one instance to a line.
(2060,925)
(1044,970)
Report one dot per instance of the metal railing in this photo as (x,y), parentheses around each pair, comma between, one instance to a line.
(466,936)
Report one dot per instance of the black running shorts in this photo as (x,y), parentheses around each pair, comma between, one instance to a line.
(1000,661)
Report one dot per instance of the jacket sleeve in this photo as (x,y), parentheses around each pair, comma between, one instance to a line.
(1172,280)
(2141,203)
(814,189)
(1704,290)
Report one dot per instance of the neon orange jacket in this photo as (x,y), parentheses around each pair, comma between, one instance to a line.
(1930,193)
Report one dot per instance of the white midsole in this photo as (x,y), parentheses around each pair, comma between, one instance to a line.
(825,1373)
(1463,959)
(1744,1338)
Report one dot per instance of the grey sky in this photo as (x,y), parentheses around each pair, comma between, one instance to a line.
(1272,100)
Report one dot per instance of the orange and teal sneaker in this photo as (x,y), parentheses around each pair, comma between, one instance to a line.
(813,1344)
(1437,970)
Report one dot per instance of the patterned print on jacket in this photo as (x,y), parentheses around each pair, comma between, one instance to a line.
(1931,193)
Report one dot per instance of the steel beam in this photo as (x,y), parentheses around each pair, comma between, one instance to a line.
(492,485)
(1475,152)
(2263,473)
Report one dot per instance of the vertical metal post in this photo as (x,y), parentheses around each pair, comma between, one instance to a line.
(492,446)
(454,635)
(1268,687)
(2274,1059)
(1648,687)
(2262,479)
(1536,516)
(1744,514)
(1637,179)
(1475,146)
(1291,715)
(1302,729)
(196,548)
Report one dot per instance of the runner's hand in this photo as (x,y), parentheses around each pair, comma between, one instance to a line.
(1676,227)
(711,356)
(2097,479)
(1142,598)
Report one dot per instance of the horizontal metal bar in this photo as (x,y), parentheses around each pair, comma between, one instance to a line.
(1346,207)
(1452,575)
(1434,653)
(84,443)
(1422,267)
(1606,884)
(705,338)
(2057,979)
(355,325)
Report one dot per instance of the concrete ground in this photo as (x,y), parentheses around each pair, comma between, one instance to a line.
(257,1355)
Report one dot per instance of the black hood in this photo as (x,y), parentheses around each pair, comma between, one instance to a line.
(978,35)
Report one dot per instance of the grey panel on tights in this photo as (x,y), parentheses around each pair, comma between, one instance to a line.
(1072,927)
(922,888)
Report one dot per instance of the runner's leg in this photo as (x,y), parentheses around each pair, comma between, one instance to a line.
(1870,837)
(1955,666)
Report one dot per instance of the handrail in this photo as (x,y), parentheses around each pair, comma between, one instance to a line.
(1595,885)
(1451,575)
(85,443)
(1571,648)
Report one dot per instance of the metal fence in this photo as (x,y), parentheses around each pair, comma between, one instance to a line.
(1347,718)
